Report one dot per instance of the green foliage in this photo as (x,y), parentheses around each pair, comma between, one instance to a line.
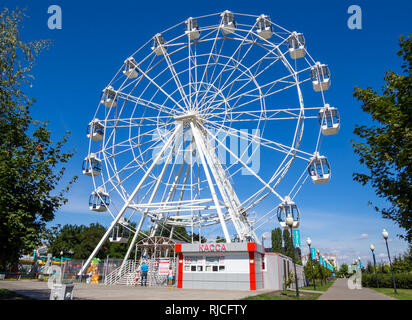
(343,270)
(400,264)
(311,270)
(387,147)
(30,163)
(81,241)
(277,240)
(403,263)
(403,280)
(288,281)
(287,244)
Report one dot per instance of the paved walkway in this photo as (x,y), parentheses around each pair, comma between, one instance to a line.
(340,291)
(38,290)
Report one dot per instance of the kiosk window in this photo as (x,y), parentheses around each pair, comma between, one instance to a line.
(215,264)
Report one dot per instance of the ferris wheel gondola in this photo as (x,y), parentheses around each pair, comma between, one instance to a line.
(130,70)
(158,45)
(329,120)
(296,43)
(264,26)
(91,165)
(192,29)
(227,22)
(320,74)
(319,169)
(99,200)
(288,208)
(95,130)
(109,97)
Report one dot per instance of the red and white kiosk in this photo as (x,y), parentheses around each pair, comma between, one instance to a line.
(231,266)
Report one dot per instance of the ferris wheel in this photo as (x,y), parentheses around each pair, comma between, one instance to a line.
(200,127)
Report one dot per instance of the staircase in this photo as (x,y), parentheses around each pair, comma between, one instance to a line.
(126,275)
(123,276)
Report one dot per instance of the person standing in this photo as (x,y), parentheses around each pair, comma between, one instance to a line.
(170,277)
(144,268)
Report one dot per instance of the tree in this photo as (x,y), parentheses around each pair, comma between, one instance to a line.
(81,240)
(343,270)
(30,163)
(287,244)
(311,269)
(64,238)
(387,147)
(277,240)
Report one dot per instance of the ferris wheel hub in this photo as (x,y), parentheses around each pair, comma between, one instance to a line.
(187,117)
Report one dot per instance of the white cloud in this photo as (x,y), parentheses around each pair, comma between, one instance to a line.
(364,236)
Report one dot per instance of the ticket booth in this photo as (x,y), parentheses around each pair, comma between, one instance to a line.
(228,266)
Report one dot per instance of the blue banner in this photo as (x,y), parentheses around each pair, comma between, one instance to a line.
(360,264)
(313,251)
(296,238)
(321,260)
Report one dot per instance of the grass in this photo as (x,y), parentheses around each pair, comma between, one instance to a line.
(285,295)
(319,286)
(10,295)
(403,294)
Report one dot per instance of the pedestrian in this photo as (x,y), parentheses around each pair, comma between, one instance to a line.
(136,277)
(170,277)
(144,268)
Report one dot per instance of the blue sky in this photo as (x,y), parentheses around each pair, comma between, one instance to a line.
(97,36)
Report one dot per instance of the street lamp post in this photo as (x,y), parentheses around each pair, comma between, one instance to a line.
(320,267)
(309,242)
(372,247)
(61,267)
(289,222)
(385,236)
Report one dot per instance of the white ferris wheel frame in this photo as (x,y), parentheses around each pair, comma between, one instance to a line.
(194,108)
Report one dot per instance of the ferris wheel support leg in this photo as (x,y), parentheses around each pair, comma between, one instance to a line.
(136,190)
(182,192)
(209,180)
(227,194)
(154,192)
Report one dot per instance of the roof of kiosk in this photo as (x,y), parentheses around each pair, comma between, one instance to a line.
(219,247)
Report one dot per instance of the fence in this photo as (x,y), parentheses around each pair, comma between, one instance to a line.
(71,268)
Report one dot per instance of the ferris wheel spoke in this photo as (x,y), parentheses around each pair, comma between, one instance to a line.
(257,63)
(176,79)
(136,122)
(258,140)
(254,75)
(258,95)
(233,55)
(244,164)
(262,115)
(111,138)
(221,73)
(146,103)
(208,60)
(161,89)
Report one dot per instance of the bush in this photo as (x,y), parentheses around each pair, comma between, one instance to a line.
(403,280)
